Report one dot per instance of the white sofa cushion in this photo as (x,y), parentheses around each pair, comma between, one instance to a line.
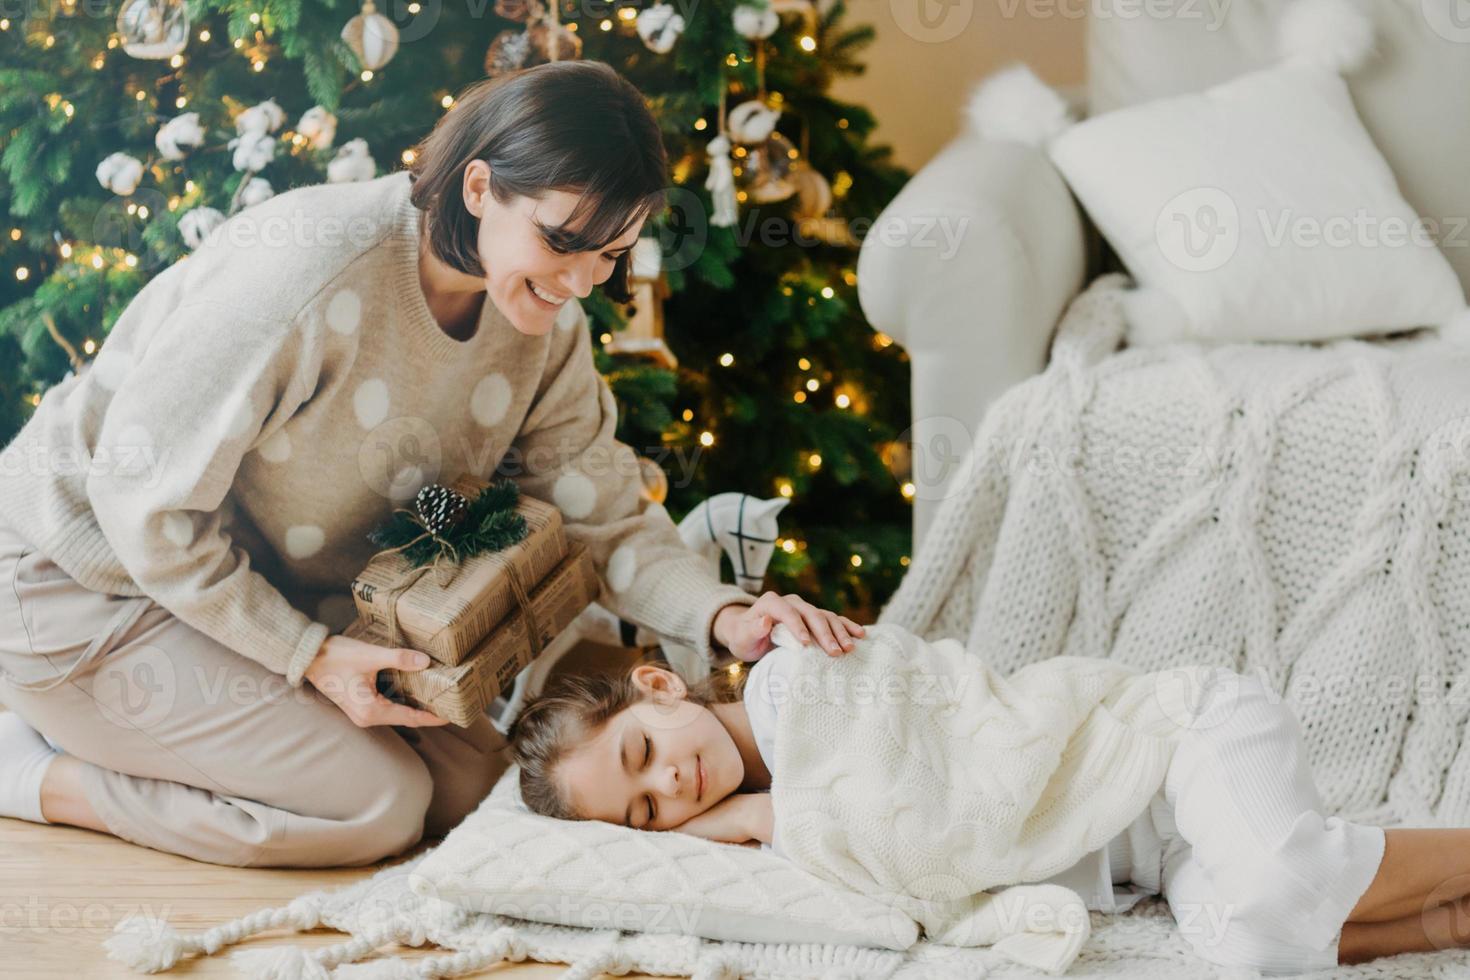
(1258,209)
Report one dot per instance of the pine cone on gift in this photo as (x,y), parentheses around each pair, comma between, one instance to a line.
(440,508)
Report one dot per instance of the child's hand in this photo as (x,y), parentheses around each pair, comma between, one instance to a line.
(746,630)
(737,818)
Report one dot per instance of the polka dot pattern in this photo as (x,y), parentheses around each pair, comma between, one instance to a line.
(178,529)
(276,449)
(304,540)
(370,402)
(575,495)
(490,400)
(622,567)
(344,311)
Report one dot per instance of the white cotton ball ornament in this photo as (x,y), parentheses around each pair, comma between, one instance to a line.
(1015,105)
(353,162)
(660,26)
(755,23)
(179,135)
(263,117)
(257,191)
(318,126)
(120,173)
(1330,34)
(752,121)
(197,223)
(254,150)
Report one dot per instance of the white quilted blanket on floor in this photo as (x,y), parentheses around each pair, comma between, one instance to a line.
(1293,510)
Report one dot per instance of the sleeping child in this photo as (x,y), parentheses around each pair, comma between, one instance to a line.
(909,771)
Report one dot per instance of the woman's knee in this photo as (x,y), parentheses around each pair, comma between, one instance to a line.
(382,804)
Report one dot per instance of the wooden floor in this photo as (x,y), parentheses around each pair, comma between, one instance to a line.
(62,888)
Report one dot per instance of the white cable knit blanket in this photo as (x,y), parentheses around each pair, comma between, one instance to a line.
(1298,511)
(913,773)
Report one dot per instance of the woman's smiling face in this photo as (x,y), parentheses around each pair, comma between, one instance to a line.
(525,277)
(655,764)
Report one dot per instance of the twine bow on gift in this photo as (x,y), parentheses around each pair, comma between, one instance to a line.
(441,530)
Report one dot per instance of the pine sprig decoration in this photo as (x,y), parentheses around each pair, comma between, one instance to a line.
(488,523)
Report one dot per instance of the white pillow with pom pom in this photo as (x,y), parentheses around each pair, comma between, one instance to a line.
(1258,209)
(507,860)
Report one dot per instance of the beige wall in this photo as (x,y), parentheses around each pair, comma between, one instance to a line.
(928,54)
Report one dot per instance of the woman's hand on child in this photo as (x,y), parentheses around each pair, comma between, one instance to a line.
(345,670)
(746,630)
(737,818)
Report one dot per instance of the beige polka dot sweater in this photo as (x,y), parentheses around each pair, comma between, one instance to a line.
(262,405)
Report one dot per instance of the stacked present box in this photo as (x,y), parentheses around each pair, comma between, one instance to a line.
(484,621)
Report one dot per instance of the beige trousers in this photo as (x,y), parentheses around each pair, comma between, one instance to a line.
(194,749)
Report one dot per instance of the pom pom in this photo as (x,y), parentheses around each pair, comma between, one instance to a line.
(1013,104)
(145,944)
(1331,34)
(279,963)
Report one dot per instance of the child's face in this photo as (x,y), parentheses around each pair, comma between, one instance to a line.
(643,769)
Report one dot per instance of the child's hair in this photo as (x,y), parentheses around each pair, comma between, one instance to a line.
(573,709)
(575,126)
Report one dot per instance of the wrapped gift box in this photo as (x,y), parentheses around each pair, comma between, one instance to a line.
(447,621)
(462,692)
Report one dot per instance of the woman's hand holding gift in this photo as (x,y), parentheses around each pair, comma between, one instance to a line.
(345,670)
(746,630)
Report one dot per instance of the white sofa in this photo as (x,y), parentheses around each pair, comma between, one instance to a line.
(976,313)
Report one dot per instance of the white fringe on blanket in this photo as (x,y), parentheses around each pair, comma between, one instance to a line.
(1329,542)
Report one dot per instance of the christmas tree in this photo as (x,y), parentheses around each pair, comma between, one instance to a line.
(133,129)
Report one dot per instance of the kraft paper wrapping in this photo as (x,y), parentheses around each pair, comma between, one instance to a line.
(462,692)
(447,622)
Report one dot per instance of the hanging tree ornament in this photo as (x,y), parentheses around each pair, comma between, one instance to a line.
(660,26)
(765,156)
(543,39)
(371,36)
(508,52)
(755,23)
(553,42)
(721,182)
(813,201)
(764,172)
(153,29)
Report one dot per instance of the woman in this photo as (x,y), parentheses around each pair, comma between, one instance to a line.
(178,523)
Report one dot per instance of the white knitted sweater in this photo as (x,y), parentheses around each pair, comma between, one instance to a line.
(912,772)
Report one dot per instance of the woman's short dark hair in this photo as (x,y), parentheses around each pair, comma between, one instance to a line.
(574,126)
